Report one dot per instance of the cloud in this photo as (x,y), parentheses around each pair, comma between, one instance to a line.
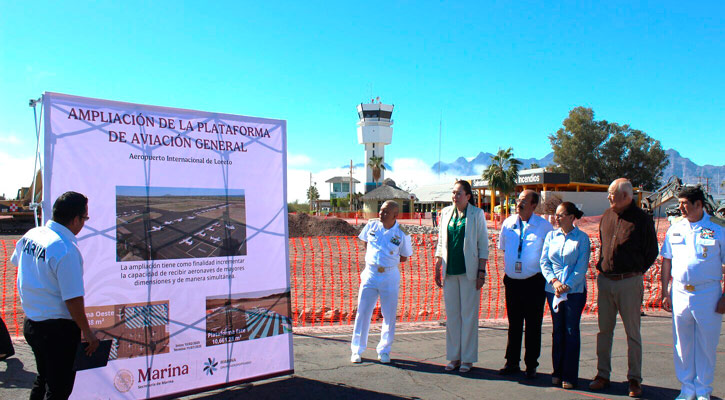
(10,140)
(410,173)
(298,160)
(17,172)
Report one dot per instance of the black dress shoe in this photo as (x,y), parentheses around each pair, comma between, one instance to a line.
(509,370)
(531,373)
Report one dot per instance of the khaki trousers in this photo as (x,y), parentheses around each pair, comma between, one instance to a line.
(462,306)
(623,297)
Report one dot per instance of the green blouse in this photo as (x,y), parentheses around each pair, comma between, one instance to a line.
(456,232)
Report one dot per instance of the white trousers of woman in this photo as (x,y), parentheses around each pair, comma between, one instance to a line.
(462,305)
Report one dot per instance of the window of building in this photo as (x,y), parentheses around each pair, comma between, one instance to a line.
(341,187)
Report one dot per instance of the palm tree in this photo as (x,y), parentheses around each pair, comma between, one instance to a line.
(356,201)
(312,196)
(502,174)
(376,163)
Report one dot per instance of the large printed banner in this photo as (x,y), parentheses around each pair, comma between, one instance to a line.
(185,252)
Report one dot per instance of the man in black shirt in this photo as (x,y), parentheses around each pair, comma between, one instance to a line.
(629,247)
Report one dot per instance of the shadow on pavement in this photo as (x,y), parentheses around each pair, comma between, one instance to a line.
(299,388)
(15,376)
(541,380)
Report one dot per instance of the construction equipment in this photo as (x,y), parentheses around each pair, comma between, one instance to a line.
(18,216)
(662,195)
(669,191)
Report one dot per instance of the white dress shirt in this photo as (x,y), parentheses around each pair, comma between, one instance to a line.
(529,238)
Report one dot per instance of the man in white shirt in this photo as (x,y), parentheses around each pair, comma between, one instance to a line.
(387,245)
(522,239)
(50,284)
(693,254)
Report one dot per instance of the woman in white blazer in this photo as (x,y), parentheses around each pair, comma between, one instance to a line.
(461,258)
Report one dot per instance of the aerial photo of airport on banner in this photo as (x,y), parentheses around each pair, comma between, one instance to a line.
(500,208)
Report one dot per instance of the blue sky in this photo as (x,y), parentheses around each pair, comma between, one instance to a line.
(500,73)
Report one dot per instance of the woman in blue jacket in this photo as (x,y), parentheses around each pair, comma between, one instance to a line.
(564,263)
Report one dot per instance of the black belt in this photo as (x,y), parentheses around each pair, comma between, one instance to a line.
(619,277)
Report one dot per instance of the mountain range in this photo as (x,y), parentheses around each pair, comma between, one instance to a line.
(679,166)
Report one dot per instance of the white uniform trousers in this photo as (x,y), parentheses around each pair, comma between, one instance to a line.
(374,284)
(462,304)
(696,332)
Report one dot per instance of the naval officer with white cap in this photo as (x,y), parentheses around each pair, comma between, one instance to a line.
(693,254)
(387,245)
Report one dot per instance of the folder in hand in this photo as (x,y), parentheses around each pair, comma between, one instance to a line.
(98,359)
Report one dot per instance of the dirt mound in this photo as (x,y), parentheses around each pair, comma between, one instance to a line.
(590,225)
(305,225)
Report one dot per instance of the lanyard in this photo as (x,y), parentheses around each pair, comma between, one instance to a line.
(521,237)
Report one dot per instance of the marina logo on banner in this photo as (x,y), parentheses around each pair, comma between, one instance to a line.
(210,366)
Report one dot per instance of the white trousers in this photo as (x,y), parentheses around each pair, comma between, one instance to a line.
(462,304)
(696,332)
(374,284)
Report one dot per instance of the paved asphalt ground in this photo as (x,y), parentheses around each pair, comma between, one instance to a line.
(323,369)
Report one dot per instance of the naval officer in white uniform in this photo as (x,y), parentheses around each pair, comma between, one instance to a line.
(387,245)
(693,254)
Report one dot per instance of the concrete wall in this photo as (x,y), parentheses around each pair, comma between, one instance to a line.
(660,211)
(592,203)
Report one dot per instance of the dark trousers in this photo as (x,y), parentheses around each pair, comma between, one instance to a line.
(54,343)
(6,345)
(525,300)
(566,340)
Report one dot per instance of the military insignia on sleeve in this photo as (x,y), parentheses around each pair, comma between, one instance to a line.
(707,234)
(395,240)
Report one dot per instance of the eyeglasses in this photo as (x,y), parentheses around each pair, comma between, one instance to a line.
(522,202)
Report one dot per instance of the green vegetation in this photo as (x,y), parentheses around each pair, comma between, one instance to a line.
(599,151)
(312,196)
(298,207)
(502,173)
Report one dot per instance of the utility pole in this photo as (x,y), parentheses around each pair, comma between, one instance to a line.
(707,182)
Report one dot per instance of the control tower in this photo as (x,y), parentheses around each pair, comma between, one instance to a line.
(374,130)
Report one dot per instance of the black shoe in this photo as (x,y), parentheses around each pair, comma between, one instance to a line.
(509,370)
(531,373)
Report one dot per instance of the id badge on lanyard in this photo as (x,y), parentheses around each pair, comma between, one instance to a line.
(517,267)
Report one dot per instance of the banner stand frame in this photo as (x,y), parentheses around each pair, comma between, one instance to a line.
(38,163)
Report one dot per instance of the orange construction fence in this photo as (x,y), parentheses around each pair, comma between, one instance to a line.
(325,273)
(325,276)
